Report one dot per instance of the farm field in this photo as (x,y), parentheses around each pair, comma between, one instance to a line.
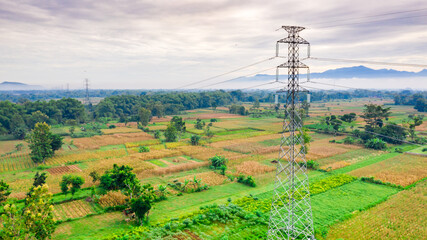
(251,146)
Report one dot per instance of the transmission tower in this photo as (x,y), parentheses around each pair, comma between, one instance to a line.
(87,99)
(291,215)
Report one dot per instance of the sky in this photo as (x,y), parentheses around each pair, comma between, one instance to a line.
(128,44)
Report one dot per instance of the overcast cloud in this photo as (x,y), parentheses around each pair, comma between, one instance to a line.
(167,44)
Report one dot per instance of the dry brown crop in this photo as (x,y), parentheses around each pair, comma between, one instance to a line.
(99,141)
(112,198)
(253,168)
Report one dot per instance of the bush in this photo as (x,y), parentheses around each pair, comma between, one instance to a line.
(213,120)
(376,143)
(157,134)
(424,150)
(399,150)
(143,149)
(218,161)
(348,140)
(112,126)
(310,164)
(195,140)
(332,141)
(247,181)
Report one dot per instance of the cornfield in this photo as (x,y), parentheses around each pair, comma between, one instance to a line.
(74,209)
(98,141)
(253,168)
(112,198)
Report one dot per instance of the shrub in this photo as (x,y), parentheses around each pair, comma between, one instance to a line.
(376,143)
(112,126)
(310,164)
(195,140)
(143,149)
(157,134)
(218,161)
(222,169)
(399,150)
(424,150)
(348,140)
(213,120)
(332,141)
(247,181)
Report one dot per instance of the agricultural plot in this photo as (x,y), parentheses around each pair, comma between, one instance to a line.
(346,159)
(74,209)
(403,216)
(323,148)
(8,147)
(64,169)
(211,178)
(253,168)
(98,141)
(402,170)
(110,131)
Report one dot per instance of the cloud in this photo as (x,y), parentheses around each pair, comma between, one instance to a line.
(165,44)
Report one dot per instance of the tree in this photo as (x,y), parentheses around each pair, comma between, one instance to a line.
(171,133)
(392,133)
(39,179)
(141,207)
(19,146)
(374,116)
(179,125)
(71,130)
(348,117)
(37,117)
(195,140)
(306,138)
(415,120)
(76,183)
(4,191)
(144,116)
(218,161)
(118,178)
(256,104)
(56,142)
(40,143)
(420,105)
(95,176)
(376,144)
(199,124)
(34,221)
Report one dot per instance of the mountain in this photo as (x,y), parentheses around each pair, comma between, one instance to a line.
(349,72)
(15,86)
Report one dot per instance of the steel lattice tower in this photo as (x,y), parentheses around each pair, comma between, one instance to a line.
(291,216)
(87,98)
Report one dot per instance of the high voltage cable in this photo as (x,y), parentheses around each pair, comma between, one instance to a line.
(369,62)
(373,16)
(394,138)
(382,20)
(223,74)
(234,79)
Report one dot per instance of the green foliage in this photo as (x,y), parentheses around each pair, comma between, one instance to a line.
(212,120)
(374,116)
(349,140)
(40,143)
(76,183)
(56,143)
(246,180)
(398,150)
(218,161)
(141,207)
(112,126)
(4,191)
(306,139)
(222,169)
(171,133)
(118,178)
(39,179)
(199,124)
(311,164)
(95,176)
(157,134)
(348,117)
(195,140)
(235,109)
(34,221)
(178,123)
(376,143)
(189,186)
(144,116)
(142,149)
(19,146)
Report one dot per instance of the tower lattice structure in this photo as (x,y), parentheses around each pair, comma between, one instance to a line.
(291,215)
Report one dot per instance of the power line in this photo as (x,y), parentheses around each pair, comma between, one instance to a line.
(400,140)
(234,79)
(382,20)
(374,16)
(223,74)
(369,62)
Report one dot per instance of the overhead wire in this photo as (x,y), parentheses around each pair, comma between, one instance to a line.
(226,73)
(368,62)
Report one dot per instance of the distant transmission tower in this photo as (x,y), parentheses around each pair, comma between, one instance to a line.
(291,216)
(87,99)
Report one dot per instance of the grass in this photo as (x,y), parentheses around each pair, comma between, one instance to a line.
(403,216)
(403,169)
